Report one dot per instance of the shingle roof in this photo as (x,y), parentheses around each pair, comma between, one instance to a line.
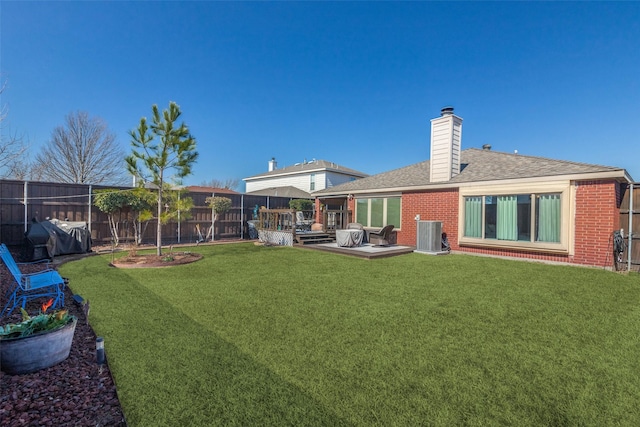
(315,165)
(476,166)
(203,189)
(288,191)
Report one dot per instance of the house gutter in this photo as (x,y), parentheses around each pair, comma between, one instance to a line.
(619,175)
(281,172)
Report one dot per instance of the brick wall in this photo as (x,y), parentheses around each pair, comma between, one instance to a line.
(596,217)
(431,206)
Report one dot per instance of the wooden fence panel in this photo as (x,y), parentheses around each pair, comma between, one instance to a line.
(12,212)
(72,202)
(634,235)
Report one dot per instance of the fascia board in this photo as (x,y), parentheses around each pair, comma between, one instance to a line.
(618,175)
(302,172)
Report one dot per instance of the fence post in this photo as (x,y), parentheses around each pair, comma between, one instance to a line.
(89,220)
(242,217)
(630,230)
(213,219)
(26,213)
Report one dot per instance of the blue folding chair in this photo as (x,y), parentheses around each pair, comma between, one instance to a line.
(45,283)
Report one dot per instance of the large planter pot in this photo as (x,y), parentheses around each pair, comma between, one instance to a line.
(34,352)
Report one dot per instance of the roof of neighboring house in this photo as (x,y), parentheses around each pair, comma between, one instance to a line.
(476,166)
(314,165)
(201,189)
(288,191)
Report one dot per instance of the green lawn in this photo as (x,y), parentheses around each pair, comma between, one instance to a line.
(284,336)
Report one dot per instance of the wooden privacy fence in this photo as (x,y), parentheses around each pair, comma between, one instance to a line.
(630,226)
(22,202)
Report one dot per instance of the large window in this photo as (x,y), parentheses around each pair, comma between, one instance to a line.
(514,217)
(378,211)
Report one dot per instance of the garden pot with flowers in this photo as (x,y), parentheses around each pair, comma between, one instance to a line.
(37,342)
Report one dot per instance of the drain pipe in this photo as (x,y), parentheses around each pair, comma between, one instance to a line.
(630,230)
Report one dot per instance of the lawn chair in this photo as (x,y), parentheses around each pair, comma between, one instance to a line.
(303,224)
(382,237)
(26,287)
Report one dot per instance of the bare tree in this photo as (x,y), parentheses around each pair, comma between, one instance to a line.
(12,147)
(24,170)
(229,183)
(83,151)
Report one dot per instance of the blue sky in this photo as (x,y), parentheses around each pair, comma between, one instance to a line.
(354,83)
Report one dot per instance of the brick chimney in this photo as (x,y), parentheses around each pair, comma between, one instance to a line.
(446,136)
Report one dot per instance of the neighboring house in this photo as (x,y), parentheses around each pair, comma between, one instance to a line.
(306,176)
(288,191)
(494,203)
(210,190)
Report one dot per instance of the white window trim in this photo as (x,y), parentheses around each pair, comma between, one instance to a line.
(565,189)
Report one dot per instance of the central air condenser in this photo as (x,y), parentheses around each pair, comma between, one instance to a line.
(429,238)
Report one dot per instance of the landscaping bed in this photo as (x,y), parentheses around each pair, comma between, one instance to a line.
(76,392)
(136,260)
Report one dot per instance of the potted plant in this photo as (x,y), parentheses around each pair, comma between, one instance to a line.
(37,342)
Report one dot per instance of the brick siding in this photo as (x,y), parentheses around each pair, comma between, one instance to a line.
(431,206)
(596,217)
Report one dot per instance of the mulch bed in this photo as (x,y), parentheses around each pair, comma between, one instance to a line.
(133,260)
(76,392)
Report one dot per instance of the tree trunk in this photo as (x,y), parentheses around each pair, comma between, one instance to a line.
(114,229)
(159,231)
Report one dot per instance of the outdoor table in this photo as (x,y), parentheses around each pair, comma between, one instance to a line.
(349,238)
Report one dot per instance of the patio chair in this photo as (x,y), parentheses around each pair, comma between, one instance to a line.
(381,238)
(26,287)
(303,224)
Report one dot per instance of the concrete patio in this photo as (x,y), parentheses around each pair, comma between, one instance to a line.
(367,250)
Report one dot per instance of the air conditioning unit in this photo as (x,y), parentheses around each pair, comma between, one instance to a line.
(429,238)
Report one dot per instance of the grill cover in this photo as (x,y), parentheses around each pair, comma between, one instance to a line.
(47,239)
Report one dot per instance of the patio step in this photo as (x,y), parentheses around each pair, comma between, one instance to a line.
(313,238)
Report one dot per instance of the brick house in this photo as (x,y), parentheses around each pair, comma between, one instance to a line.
(493,203)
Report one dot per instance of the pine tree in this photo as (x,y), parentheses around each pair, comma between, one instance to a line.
(176,151)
